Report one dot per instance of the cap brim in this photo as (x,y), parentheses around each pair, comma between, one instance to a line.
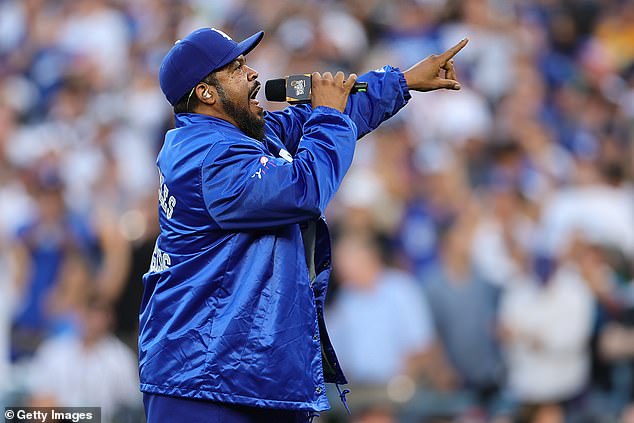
(243,48)
(250,43)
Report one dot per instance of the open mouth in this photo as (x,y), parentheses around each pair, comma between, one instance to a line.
(255,92)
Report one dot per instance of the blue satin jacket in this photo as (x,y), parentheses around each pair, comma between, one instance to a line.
(229,312)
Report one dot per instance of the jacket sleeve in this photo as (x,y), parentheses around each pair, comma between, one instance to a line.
(245,187)
(387,93)
(288,124)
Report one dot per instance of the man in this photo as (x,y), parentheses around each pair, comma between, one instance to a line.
(231,323)
(376,302)
(546,319)
(91,366)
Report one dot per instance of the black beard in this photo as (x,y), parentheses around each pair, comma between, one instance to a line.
(250,124)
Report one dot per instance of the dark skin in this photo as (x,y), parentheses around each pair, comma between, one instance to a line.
(239,82)
(426,74)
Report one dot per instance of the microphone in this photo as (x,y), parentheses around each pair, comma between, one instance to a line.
(295,89)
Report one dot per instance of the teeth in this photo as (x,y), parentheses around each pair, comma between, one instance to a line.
(255,92)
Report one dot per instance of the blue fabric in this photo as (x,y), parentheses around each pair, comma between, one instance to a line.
(417,236)
(161,409)
(196,56)
(228,312)
(47,247)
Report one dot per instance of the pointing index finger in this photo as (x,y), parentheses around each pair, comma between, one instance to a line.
(451,52)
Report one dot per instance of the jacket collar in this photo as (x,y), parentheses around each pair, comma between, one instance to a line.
(186,119)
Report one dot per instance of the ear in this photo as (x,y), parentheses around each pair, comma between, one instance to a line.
(206,94)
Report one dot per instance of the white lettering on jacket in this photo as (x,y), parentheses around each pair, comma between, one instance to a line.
(167,202)
(160,261)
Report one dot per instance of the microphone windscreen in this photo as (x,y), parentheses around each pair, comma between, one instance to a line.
(275,89)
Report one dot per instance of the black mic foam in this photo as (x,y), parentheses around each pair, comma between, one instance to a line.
(275,89)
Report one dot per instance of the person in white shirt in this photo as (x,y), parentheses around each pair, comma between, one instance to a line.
(546,322)
(600,209)
(91,369)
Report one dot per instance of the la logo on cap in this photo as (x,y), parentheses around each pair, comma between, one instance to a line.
(222,33)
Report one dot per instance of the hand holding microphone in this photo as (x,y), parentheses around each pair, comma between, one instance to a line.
(331,92)
(299,89)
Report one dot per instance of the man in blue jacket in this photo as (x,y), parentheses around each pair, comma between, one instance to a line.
(232,323)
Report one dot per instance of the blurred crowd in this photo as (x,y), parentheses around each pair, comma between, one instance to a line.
(483,239)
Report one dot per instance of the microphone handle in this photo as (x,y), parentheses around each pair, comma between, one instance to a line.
(298,90)
(359,87)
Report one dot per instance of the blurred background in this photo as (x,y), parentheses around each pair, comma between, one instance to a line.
(483,239)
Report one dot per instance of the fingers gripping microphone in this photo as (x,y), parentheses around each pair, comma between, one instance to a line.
(295,89)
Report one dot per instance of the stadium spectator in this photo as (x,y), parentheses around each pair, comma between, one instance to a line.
(381,324)
(545,323)
(379,319)
(49,290)
(92,368)
(464,309)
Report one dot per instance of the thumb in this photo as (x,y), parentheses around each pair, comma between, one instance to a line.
(449,84)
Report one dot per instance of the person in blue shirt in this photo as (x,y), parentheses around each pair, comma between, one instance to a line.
(231,319)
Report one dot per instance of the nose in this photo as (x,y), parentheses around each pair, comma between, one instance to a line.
(252,74)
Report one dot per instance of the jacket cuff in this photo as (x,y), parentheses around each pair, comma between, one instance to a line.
(327,110)
(403,84)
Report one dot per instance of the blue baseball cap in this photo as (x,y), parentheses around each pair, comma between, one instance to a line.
(196,56)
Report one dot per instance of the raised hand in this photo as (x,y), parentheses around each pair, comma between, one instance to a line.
(426,74)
